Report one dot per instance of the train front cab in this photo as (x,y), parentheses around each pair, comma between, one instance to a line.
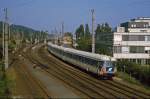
(106,70)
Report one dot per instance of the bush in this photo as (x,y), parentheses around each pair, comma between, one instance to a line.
(4,91)
(127,77)
(140,72)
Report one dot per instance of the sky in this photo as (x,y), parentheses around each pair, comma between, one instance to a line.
(49,14)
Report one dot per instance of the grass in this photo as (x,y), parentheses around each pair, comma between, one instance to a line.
(4,92)
(127,78)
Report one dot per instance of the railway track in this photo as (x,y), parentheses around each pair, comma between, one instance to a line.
(76,85)
(30,81)
(82,81)
(124,89)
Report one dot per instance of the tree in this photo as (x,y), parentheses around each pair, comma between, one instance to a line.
(103,28)
(84,44)
(83,38)
(107,28)
(104,38)
(98,29)
(87,31)
(80,32)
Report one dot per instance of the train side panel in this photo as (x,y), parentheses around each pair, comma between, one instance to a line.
(77,60)
(84,62)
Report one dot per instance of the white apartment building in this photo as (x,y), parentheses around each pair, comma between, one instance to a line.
(132,41)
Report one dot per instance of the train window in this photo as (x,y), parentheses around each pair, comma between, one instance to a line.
(74,56)
(88,61)
(100,63)
(67,54)
(108,64)
(80,58)
(85,60)
(70,55)
(77,58)
(94,62)
(64,53)
(61,52)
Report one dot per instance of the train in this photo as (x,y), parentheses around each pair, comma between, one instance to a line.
(101,65)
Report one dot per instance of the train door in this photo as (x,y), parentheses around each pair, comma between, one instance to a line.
(100,65)
(102,70)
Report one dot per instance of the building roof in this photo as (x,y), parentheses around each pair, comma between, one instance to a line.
(141,18)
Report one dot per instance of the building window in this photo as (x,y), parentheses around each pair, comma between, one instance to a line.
(117,49)
(148,38)
(143,30)
(137,49)
(133,38)
(145,25)
(132,25)
(125,49)
(125,37)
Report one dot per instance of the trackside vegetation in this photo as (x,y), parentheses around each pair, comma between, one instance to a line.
(138,71)
(4,90)
(103,38)
(129,71)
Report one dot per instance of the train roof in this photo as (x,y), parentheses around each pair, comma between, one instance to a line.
(83,53)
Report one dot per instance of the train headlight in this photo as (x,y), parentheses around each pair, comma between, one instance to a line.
(110,69)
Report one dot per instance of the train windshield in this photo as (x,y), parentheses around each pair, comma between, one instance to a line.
(108,64)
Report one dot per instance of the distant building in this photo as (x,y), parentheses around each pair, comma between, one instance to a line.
(132,41)
(67,40)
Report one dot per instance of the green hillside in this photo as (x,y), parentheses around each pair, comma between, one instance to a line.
(20,34)
(25,31)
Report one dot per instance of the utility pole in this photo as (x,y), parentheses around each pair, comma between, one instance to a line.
(62,33)
(9,33)
(3,39)
(6,38)
(93,34)
(62,28)
(22,36)
(57,36)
